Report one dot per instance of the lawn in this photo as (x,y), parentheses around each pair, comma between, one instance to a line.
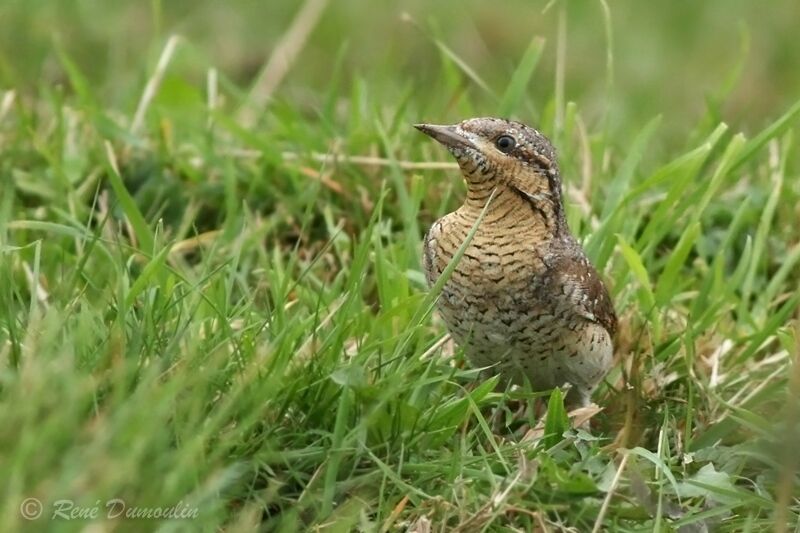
(213,314)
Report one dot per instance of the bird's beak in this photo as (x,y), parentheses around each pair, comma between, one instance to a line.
(447,135)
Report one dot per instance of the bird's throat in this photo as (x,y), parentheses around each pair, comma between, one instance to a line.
(510,206)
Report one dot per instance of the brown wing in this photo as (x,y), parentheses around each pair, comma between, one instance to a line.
(584,291)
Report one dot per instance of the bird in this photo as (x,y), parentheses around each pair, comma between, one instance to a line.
(523,301)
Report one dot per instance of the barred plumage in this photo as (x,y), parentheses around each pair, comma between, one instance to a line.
(523,300)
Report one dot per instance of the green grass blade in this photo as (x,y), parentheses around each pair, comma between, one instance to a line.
(143,232)
(512,97)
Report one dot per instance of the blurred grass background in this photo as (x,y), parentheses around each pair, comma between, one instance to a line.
(669,57)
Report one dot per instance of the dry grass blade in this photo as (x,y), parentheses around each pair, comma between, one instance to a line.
(481,518)
(579,417)
(281,60)
(191,244)
(154,83)
(598,524)
(422,525)
(212,94)
(6,103)
(398,509)
(438,344)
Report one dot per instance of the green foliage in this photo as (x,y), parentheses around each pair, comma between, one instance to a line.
(232,318)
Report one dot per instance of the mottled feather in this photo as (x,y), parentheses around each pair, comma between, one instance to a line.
(523,300)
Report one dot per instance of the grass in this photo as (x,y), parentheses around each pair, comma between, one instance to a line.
(231,321)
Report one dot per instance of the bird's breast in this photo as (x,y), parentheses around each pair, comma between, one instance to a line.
(500,260)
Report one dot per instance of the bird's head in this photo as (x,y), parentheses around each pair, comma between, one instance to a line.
(503,154)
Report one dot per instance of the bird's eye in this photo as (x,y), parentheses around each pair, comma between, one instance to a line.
(505,143)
